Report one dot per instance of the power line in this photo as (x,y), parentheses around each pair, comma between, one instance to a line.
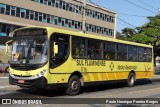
(109,13)
(121,13)
(73,6)
(121,24)
(131,15)
(139,6)
(147,4)
(93,2)
(112,15)
(126,22)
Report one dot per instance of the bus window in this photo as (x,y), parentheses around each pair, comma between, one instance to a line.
(132,53)
(62,41)
(79,47)
(142,54)
(30,51)
(109,50)
(95,49)
(121,52)
(149,55)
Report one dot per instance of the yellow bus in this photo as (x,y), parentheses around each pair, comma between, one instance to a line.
(44,57)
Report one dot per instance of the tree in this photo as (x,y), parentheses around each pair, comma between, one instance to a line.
(141,38)
(149,33)
(128,32)
(120,36)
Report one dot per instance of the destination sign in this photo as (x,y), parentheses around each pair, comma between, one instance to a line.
(30,32)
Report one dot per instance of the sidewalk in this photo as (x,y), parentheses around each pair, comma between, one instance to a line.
(4,75)
(156,76)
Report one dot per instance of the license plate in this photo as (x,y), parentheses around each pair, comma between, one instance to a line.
(21,81)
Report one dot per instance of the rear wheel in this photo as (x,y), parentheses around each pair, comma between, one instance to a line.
(131,80)
(74,85)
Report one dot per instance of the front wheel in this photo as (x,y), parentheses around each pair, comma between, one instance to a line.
(131,80)
(74,85)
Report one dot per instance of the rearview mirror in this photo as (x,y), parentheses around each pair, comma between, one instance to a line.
(6,48)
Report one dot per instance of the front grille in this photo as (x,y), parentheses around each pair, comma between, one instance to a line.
(26,67)
(21,76)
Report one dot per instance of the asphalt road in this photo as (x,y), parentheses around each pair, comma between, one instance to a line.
(142,89)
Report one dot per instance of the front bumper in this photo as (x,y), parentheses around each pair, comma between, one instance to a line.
(37,83)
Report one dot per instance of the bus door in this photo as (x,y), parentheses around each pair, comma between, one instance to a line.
(59,48)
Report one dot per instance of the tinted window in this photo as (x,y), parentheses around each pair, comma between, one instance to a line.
(95,49)
(149,55)
(142,54)
(132,53)
(121,52)
(109,50)
(79,47)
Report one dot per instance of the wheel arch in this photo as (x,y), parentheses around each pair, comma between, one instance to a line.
(132,71)
(79,74)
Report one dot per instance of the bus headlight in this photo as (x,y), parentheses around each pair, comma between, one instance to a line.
(39,74)
(43,72)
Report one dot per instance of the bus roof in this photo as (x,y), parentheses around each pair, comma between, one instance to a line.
(99,37)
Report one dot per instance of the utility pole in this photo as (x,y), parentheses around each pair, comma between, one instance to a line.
(158,12)
(84,17)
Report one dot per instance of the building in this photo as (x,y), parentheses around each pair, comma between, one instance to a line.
(64,14)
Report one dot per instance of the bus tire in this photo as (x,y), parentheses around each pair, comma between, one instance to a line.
(74,85)
(131,80)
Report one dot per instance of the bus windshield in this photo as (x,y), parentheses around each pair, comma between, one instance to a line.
(29,50)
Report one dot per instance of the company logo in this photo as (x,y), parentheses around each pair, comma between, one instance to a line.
(147,68)
(111,66)
(6,101)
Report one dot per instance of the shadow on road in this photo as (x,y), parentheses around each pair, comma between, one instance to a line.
(110,86)
(29,93)
(44,92)
(144,82)
(88,89)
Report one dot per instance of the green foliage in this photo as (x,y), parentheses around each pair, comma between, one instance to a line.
(158,43)
(141,38)
(120,36)
(128,32)
(149,33)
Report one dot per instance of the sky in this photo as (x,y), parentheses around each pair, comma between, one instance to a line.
(145,8)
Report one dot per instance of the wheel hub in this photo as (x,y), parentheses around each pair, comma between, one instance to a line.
(132,80)
(74,85)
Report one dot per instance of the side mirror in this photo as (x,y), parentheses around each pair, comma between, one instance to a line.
(55,49)
(6,49)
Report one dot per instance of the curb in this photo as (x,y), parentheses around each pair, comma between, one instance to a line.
(7,86)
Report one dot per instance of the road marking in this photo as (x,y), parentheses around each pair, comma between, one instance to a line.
(5,93)
(3,77)
(128,92)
